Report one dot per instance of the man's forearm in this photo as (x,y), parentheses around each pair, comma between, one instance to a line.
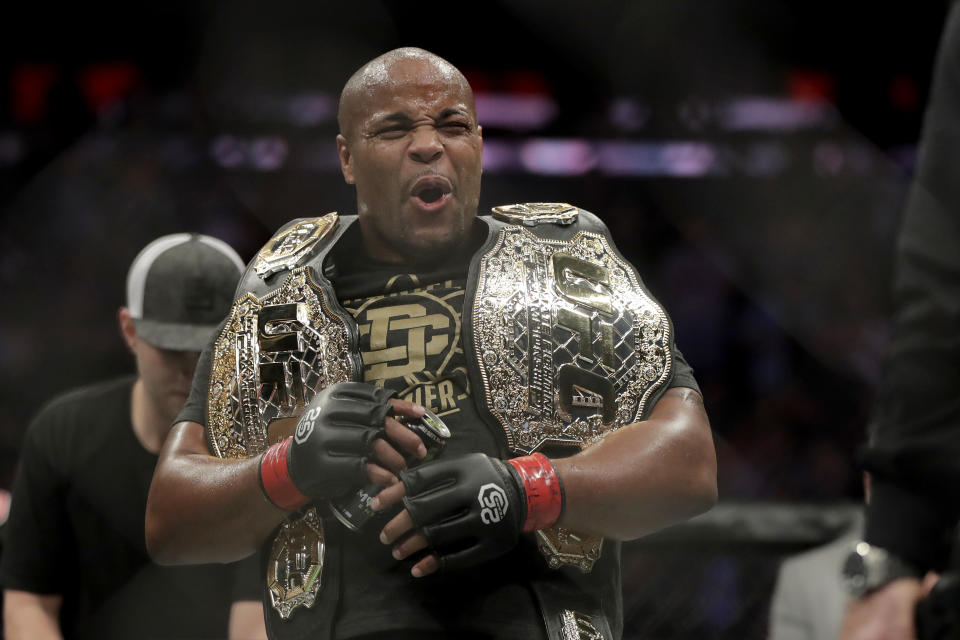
(202,508)
(31,616)
(644,476)
(246,621)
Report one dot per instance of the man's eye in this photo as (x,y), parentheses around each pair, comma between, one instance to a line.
(392,132)
(455,127)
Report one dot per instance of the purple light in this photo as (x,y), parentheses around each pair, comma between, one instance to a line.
(678,159)
(520,112)
(310,109)
(501,156)
(628,114)
(774,114)
(228,151)
(558,157)
(268,153)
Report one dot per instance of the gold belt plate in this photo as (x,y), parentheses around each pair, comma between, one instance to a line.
(270,359)
(570,347)
(272,356)
(296,563)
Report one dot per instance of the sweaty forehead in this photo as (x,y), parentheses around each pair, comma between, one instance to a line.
(409,85)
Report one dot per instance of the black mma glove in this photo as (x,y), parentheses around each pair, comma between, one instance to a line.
(326,455)
(473,508)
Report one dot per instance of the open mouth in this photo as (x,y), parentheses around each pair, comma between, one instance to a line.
(430,195)
(431,189)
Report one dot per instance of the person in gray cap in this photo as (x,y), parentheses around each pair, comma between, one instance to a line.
(75,563)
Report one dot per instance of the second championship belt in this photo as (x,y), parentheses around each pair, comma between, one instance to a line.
(275,352)
(569,344)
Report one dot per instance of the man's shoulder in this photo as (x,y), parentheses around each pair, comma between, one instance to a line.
(80,403)
(297,243)
(90,394)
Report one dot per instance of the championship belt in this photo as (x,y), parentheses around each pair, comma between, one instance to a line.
(276,351)
(570,346)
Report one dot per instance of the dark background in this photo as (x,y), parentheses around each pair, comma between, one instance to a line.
(750,156)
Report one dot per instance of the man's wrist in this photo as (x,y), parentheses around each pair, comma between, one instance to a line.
(542,488)
(868,568)
(275,479)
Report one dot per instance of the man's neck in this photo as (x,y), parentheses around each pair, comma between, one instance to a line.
(149,424)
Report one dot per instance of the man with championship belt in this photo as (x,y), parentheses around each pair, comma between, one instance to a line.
(573,420)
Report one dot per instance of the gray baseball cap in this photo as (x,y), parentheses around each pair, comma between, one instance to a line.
(180,287)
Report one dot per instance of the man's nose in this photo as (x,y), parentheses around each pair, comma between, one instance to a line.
(426,145)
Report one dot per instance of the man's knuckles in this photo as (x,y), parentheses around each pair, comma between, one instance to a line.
(404,439)
(409,546)
(388,456)
(379,475)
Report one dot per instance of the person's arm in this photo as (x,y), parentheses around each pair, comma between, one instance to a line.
(202,508)
(915,447)
(247,621)
(31,616)
(887,613)
(644,476)
(638,479)
(38,530)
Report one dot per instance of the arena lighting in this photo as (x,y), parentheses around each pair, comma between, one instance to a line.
(268,153)
(304,109)
(30,85)
(513,111)
(501,156)
(105,84)
(628,114)
(228,152)
(762,113)
(263,153)
(525,112)
(828,158)
(311,109)
(679,159)
(564,157)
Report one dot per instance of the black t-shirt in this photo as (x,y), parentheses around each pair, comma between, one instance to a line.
(76,529)
(409,323)
(410,341)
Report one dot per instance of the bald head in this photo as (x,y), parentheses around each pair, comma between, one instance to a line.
(411,145)
(390,70)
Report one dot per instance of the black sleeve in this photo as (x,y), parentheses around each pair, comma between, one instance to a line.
(914,456)
(37,533)
(248,583)
(195,410)
(682,373)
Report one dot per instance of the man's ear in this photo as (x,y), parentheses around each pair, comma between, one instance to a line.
(127,330)
(480,135)
(346,160)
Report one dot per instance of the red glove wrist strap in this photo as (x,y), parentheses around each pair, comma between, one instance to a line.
(275,478)
(543,489)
